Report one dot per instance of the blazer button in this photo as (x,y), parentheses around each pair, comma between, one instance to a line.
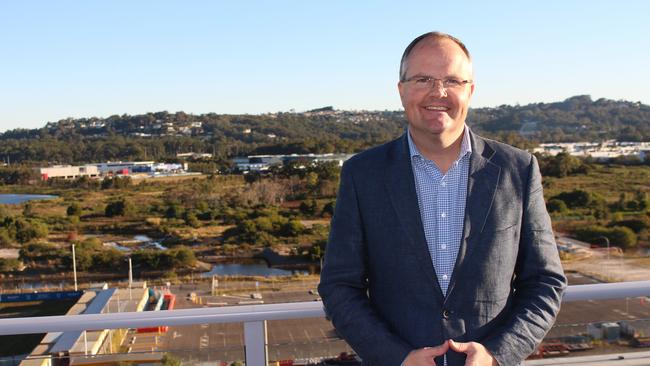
(445,314)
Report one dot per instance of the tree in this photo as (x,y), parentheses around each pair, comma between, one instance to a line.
(292,228)
(618,236)
(74,209)
(10,264)
(643,202)
(169,360)
(26,230)
(636,225)
(119,207)
(84,258)
(191,219)
(174,211)
(181,256)
(5,239)
(328,209)
(556,205)
(574,199)
(562,165)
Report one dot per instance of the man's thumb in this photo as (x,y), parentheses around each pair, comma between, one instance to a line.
(459,346)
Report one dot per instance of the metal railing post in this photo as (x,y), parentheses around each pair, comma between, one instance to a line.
(255,343)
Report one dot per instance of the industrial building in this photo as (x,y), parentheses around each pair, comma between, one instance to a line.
(69,172)
(108,169)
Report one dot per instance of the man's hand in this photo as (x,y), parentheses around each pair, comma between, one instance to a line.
(424,356)
(477,355)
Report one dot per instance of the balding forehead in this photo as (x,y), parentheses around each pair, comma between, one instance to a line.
(439,42)
(428,39)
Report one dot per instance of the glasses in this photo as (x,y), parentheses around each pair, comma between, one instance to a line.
(428,82)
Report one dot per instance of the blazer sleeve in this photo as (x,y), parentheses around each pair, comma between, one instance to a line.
(538,284)
(344,284)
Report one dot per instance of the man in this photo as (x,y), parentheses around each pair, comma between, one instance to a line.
(441,249)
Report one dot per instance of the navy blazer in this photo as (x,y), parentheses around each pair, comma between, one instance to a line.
(378,283)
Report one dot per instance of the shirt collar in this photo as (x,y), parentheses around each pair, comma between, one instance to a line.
(465,145)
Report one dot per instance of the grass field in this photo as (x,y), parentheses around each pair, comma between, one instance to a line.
(608,181)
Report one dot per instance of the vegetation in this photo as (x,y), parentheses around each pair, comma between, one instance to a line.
(160,136)
(288,208)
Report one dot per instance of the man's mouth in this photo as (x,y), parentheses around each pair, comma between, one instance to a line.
(436,108)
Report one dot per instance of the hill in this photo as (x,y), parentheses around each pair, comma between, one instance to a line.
(161,135)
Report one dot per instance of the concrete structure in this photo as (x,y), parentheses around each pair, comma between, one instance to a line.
(78,344)
(110,169)
(69,172)
(609,332)
(600,151)
(261,163)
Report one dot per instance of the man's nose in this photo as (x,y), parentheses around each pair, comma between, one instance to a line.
(438,89)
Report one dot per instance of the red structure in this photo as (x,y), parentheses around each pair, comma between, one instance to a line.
(169,300)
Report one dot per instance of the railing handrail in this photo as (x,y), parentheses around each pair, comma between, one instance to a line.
(253,313)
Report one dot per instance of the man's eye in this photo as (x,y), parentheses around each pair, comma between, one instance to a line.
(422,80)
(453,82)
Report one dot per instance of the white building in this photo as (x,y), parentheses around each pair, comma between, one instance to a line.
(601,151)
(69,172)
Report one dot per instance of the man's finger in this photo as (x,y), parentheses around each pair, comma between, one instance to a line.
(460,346)
(437,350)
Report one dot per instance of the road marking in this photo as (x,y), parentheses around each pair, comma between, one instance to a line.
(204,341)
(307,334)
(291,336)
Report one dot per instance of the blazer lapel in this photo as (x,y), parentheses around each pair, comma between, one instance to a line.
(401,188)
(481,188)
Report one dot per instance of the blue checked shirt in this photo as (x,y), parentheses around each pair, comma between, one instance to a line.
(441,198)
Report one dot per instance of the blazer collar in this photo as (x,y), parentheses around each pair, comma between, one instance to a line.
(400,184)
(481,188)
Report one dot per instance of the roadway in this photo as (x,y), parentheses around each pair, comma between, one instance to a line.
(315,337)
(288,339)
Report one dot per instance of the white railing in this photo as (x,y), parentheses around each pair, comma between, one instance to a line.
(254,317)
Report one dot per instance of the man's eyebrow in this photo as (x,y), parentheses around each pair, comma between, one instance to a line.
(450,76)
(420,76)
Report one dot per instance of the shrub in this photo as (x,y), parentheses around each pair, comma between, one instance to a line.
(27,230)
(328,209)
(110,258)
(41,252)
(574,199)
(636,225)
(10,264)
(74,210)
(191,219)
(174,211)
(618,236)
(556,205)
(120,207)
(5,239)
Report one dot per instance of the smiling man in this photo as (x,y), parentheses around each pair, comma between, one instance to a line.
(441,249)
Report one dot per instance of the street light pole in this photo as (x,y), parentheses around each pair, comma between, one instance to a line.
(130,278)
(606,242)
(74,267)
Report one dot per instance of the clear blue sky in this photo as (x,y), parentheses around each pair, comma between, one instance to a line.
(62,59)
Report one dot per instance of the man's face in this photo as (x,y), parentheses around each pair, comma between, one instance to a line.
(436,113)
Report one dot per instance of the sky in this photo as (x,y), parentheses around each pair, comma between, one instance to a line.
(65,58)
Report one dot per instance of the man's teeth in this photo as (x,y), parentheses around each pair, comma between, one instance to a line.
(436,108)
